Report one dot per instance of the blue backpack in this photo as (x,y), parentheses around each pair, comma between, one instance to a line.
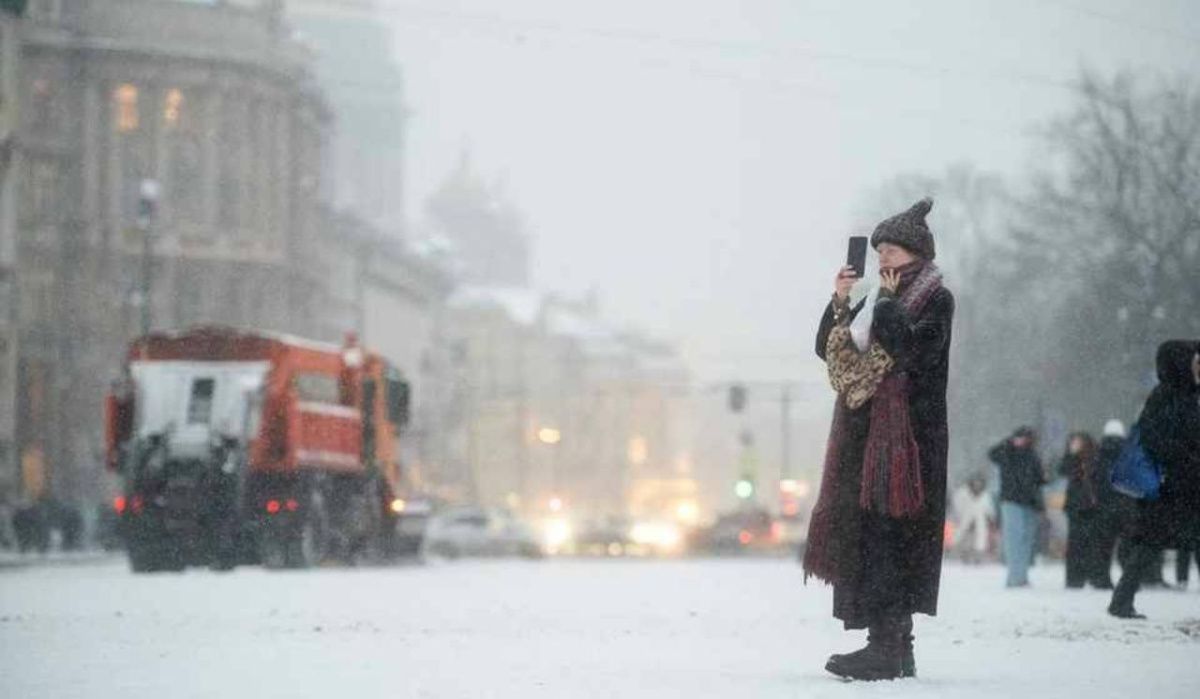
(1134,473)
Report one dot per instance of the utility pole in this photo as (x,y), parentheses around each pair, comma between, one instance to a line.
(785,464)
(147,209)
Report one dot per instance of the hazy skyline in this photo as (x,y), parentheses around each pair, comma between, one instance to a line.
(700,163)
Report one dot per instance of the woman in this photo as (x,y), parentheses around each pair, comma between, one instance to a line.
(876,531)
(975,513)
(1085,486)
(1170,435)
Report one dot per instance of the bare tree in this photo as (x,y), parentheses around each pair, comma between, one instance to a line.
(1115,213)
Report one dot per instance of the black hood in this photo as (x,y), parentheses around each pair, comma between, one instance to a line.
(1175,364)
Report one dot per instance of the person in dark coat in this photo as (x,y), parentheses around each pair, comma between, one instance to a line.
(1187,551)
(1170,436)
(1121,511)
(1110,523)
(1086,483)
(1021,480)
(876,530)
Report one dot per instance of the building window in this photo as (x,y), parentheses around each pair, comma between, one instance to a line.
(231,183)
(200,403)
(46,10)
(185,151)
(126,97)
(40,112)
(40,195)
(172,106)
(317,388)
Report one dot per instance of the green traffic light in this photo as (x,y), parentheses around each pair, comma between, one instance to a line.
(744,489)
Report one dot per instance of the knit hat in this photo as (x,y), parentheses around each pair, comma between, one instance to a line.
(1114,428)
(908,230)
(1025,431)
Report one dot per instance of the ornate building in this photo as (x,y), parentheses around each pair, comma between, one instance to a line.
(9,56)
(216,103)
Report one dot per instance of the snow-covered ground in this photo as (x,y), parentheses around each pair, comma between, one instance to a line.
(561,629)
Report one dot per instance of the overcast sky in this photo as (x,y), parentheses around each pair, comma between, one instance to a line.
(700,162)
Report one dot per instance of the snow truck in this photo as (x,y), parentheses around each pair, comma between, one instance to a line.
(238,447)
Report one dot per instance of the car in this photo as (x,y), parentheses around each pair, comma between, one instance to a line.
(748,530)
(604,536)
(473,531)
(412,517)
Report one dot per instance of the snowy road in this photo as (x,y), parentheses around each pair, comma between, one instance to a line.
(561,629)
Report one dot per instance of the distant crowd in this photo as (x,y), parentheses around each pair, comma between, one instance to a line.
(1103,522)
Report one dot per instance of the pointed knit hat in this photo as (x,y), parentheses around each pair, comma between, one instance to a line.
(908,230)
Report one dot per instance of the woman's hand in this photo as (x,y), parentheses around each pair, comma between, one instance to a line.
(846,279)
(890,280)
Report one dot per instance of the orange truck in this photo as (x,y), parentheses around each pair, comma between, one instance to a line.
(239,447)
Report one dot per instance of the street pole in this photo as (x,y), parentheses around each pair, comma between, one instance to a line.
(147,207)
(785,465)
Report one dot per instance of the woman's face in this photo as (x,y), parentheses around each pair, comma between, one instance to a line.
(893,256)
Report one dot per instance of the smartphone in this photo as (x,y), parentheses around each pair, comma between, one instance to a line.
(856,254)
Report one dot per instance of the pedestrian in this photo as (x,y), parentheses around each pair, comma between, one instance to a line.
(1112,503)
(1021,480)
(1086,483)
(1170,436)
(1185,553)
(876,533)
(973,514)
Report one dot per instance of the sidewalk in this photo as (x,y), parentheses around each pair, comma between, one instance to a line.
(11,559)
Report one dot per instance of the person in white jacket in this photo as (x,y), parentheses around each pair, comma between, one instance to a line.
(974,514)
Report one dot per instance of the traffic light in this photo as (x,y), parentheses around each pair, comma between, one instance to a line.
(737,398)
(744,488)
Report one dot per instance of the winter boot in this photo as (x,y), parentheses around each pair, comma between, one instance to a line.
(881,659)
(1125,612)
(908,663)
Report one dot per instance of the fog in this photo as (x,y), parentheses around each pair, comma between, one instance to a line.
(372,290)
(700,163)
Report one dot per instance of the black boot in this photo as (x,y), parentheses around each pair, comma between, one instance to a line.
(1121,605)
(881,659)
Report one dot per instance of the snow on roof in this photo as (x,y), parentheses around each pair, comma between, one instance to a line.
(215,330)
(522,305)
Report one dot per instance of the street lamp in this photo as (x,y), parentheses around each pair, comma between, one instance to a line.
(549,435)
(148,194)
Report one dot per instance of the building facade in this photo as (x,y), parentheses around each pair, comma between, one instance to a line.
(484,230)
(9,57)
(394,298)
(364,85)
(216,103)
(555,405)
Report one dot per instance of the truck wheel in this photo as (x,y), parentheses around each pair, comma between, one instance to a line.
(305,547)
(153,559)
(224,561)
(274,552)
(141,560)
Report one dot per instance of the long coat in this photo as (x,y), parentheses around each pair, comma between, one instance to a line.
(1170,426)
(891,566)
